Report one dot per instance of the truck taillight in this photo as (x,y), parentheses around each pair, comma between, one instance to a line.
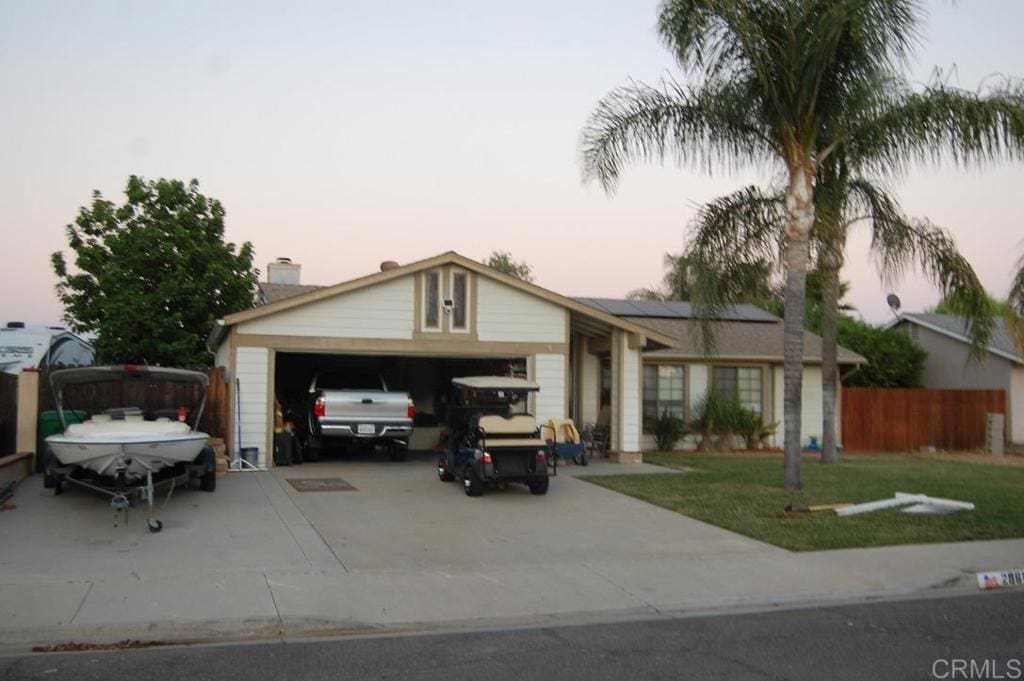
(410,411)
(320,406)
(487,458)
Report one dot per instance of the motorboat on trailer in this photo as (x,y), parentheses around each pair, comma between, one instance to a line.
(118,452)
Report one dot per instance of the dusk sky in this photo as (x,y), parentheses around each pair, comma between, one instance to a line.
(341,134)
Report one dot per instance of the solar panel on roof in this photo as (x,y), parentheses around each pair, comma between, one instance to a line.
(674,309)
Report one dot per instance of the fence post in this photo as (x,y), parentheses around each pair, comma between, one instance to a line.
(28,412)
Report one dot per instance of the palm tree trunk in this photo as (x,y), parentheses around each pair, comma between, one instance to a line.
(829,352)
(800,214)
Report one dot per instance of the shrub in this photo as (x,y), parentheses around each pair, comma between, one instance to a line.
(722,416)
(668,430)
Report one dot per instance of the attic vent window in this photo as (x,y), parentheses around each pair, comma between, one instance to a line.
(432,302)
(460,296)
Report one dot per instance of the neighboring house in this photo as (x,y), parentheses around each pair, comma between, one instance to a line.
(38,347)
(423,323)
(949,365)
(748,362)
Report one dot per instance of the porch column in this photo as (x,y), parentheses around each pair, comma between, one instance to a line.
(626,395)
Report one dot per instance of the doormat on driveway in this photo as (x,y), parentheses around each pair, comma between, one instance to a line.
(320,484)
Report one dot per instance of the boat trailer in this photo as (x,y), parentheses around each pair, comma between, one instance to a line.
(124,496)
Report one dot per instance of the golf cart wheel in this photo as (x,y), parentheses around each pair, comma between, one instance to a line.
(397,451)
(154,525)
(581,459)
(443,474)
(472,484)
(208,481)
(539,486)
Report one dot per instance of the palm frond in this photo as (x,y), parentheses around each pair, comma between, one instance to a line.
(735,241)
(1016,297)
(941,122)
(639,123)
(899,242)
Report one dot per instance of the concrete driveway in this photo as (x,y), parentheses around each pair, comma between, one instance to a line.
(259,558)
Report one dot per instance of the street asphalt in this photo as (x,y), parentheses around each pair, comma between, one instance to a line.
(912,639)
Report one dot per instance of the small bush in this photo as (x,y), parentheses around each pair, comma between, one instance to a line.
(718,417)
(668,430)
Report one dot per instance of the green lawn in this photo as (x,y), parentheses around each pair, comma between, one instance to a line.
(744,494)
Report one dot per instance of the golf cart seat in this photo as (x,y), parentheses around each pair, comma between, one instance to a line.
(519,430)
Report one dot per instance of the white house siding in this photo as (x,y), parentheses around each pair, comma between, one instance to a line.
(380,311)
(252,371)
(1016,405)
(630,390)
(590,386)
(506,314)
(549,373)
(810,412)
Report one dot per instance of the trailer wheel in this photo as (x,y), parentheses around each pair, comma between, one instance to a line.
(208,481)
(154,525)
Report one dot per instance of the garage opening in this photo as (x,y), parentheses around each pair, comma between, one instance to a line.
(427,380)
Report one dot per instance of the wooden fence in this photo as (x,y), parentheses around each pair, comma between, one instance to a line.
(8,413)
(890,420)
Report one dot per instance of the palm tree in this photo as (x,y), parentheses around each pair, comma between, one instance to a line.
(781,84)
(746,227)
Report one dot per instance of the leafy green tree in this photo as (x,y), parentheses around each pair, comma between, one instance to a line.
(152,275)
(894,359)
(504,262)
(813,87)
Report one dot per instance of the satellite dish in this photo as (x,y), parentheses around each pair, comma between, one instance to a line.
(894,302)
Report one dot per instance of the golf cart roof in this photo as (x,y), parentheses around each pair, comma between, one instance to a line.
(125,372)
(506,383)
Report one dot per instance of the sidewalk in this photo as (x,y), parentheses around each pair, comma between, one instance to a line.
(257,560)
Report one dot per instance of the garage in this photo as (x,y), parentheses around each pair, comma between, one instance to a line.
(426,380)
(418,325)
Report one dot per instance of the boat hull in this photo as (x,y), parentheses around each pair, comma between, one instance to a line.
(132,455)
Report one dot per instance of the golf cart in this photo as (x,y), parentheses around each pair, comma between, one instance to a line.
(492,440)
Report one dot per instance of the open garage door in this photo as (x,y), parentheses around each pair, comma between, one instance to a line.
(426,379)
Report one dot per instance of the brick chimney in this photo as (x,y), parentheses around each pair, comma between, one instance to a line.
(283,271)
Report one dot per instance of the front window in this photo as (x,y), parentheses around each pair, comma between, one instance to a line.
(432,301)
(742,382)
(664,391)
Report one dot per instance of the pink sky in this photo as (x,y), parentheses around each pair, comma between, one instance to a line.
(341,136)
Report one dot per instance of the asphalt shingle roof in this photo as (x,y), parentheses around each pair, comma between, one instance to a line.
(275,292)
(737,340)
(1001,341)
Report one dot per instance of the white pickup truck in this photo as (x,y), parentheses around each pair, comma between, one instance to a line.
(358,409)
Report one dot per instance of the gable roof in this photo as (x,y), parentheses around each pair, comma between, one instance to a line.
(449,258)
(955,326)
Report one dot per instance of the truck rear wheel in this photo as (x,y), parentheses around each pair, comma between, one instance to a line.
(397,451)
